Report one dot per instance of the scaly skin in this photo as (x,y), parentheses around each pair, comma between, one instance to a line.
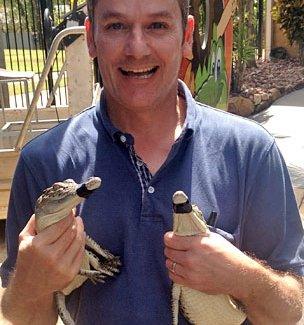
(198,308)
(53,205)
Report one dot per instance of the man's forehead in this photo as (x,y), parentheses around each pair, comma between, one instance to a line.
(165,8)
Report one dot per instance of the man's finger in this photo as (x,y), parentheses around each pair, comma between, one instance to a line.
(176,255)
(176,278)
(76,263)
(77,244)
(51,234)
(65,240)
(175,268)
(181,243)
(29,229)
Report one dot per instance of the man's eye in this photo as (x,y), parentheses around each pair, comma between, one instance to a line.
(158,25)
(115,26)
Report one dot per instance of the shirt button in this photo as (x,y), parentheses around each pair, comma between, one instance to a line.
(123,139)
(151,189)
(139,163)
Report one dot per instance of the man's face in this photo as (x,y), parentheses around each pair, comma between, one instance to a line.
(138,44)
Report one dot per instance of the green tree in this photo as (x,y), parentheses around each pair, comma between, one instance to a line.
(290,15)
(243,45)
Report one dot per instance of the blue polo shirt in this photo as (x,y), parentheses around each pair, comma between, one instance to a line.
(224,163)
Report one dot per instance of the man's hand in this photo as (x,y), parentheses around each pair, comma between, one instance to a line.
(206,263)
(51,258)
(46,262)
(213,265)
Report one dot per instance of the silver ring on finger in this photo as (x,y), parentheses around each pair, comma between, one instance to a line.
(173,268)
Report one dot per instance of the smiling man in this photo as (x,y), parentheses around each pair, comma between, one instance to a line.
(146,139)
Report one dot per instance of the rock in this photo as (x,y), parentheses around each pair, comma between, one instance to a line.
(298,86)
(262,106)
(265,97)
(246,93)
(240,106)
(257,98)
(279,53)
(251,91)
(275,93)
(271,79)
(289,89)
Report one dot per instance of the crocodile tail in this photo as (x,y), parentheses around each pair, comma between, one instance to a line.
(62,310)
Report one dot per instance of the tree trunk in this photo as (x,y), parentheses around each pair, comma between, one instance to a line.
(251,32)
(240,64)
(260,19)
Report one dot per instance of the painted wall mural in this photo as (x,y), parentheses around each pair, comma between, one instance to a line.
(208,71)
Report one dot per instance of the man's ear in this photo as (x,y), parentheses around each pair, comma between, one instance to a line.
(90,38)
(188,38)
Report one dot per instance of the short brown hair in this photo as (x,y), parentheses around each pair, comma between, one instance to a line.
(183,4)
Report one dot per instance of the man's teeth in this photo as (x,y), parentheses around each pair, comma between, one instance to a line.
(139,72)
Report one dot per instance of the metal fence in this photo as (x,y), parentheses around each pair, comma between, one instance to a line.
(23,34)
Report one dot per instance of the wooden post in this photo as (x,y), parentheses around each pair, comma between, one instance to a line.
(268,29)
(80,75)
(4,88)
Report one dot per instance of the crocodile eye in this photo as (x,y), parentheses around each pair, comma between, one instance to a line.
(69,181)
(57,186)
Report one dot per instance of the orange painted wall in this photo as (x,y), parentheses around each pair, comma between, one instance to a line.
(189,67)
(280,40)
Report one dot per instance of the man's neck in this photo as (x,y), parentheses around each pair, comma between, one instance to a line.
(157,121)
(154,129)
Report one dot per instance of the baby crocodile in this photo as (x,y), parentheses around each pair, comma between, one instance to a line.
(55,204)
(198,307)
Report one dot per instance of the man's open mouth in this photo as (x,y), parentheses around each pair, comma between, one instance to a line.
(139,73)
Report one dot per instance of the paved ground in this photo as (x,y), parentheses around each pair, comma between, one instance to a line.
(285,121)
(295,98)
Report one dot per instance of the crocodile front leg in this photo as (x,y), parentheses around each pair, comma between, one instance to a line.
(112,262)
(104,267)
(98,249)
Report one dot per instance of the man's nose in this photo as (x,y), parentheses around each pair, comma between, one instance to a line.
(137,44)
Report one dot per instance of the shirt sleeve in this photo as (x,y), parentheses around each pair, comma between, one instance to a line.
(272,227)
(24,193)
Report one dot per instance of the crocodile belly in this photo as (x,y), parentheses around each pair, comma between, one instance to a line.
(202,309)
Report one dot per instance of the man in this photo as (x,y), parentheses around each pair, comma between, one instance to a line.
(146,139)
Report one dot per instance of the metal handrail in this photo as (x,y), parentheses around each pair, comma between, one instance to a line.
(76,30)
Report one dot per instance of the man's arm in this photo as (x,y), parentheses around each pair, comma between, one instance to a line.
(271,298)
(46,263)
(17,309)
(213,265)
